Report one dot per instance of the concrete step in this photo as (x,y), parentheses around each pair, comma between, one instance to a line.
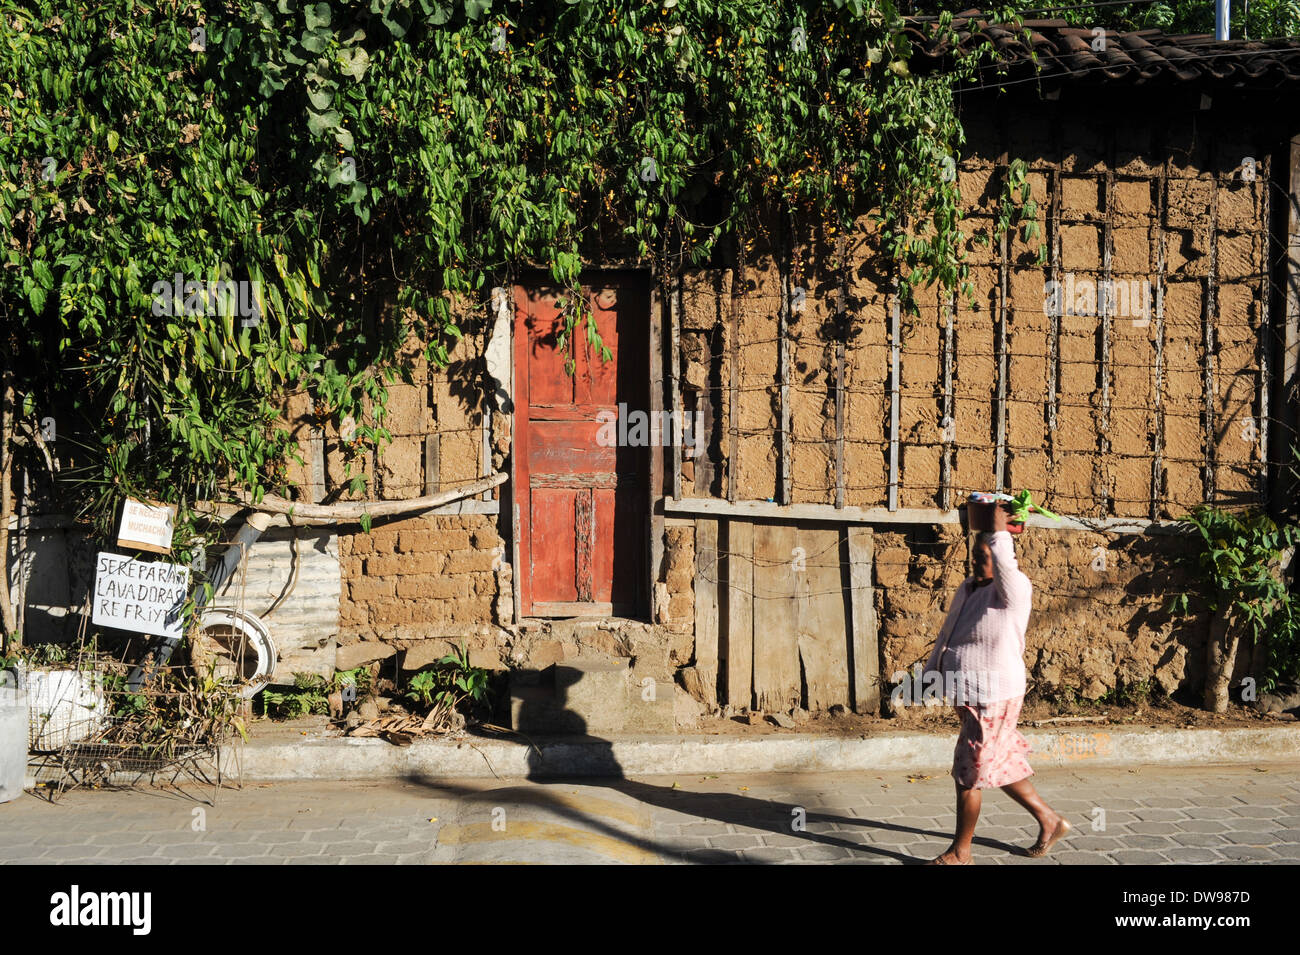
(594,696)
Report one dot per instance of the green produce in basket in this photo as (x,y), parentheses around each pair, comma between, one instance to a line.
(1022,504)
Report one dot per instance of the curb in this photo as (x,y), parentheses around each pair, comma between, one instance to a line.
(350,759)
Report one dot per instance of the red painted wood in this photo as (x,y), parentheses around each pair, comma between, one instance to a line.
(581,541)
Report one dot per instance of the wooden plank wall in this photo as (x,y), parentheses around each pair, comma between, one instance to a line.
(797,625)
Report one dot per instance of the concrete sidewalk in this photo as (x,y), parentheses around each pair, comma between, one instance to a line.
(1158,815)
(469,756)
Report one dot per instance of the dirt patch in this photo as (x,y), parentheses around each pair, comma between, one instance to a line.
(940,721)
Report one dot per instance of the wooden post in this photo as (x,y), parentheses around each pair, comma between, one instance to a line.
(947,422)
(865,635)
(674,371)
(733,405)
(895,344)
(1054,321)
(786,450)
(1288,372)
(706,606)
(431,479)
(1209,309)
(1000,407)
(1263,347)
(1106,303)
(1158,369)
(316,452)
(669,446)
(841,312)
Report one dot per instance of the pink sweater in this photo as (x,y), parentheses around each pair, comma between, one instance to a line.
(981,647)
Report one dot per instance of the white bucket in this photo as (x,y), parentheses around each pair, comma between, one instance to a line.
(65,706)
(13,737)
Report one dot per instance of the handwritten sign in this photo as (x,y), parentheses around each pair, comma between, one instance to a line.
(146,526)
(140,596)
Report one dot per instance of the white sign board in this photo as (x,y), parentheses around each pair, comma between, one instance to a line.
(146,527)
(139,596)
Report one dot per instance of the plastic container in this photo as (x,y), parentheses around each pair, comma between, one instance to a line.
(66,706)
(979,513)
(13,736)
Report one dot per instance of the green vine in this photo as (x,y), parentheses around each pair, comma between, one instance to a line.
(369,168)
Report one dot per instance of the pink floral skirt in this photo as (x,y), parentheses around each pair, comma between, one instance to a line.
(990,750)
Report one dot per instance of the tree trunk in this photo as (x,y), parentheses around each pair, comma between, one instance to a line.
(1220,657)
(7,618)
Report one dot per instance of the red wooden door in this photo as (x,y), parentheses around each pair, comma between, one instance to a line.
(583,503)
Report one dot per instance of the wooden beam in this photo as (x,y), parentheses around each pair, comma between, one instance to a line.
(706,606)
(301,513)
(865,629)
(738,633)
(767,510)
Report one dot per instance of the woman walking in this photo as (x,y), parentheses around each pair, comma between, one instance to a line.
(980,652)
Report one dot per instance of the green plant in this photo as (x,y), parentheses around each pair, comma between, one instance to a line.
(1128,694)
(449,681)
(359,678)
(370,169)
(1237,563)
(309,695)
(122,701)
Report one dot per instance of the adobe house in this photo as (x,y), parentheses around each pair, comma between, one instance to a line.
(795,541)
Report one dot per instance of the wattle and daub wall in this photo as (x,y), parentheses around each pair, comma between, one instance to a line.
(1144,412)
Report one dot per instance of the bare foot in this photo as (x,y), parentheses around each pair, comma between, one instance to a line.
(952,857)
(1048,836)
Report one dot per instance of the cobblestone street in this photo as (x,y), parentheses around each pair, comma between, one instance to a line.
(1159,815)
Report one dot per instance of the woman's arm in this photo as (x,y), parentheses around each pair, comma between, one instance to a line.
(953,610)
(1008,582)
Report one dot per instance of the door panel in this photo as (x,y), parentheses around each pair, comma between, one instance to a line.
(584,514)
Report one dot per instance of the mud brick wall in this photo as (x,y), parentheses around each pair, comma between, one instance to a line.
(420,577)
(678,581)
(1098,621)
(1139,414)
(432,579)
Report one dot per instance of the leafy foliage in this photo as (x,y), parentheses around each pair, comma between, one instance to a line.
(340,158)
(1237,564)
(307,696)
(449,682)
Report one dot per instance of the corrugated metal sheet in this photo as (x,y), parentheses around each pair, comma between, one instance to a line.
(306,622)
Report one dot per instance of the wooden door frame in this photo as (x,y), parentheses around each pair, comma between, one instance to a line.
(655,462)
